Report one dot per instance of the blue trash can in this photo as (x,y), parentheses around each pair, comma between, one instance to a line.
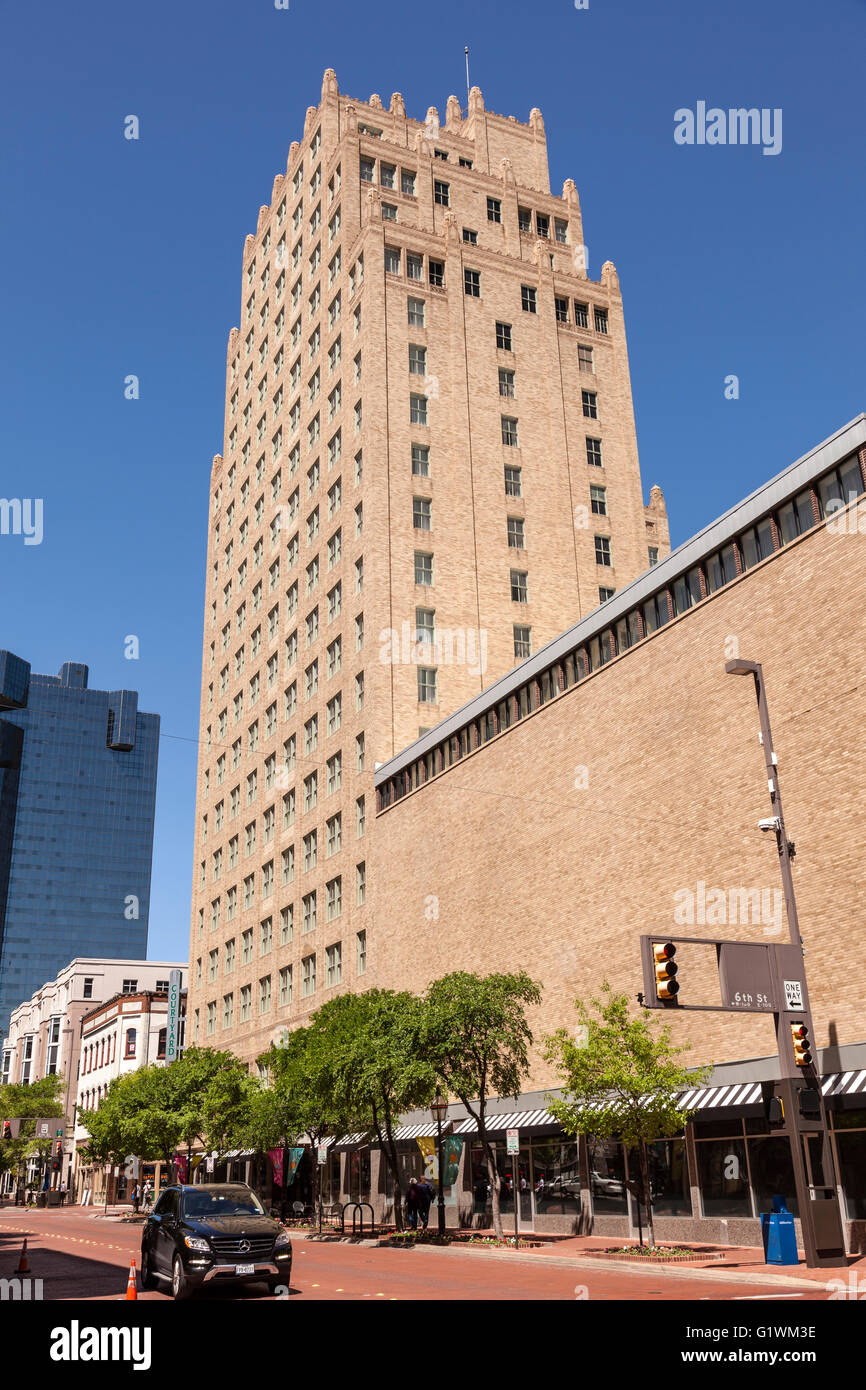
(779,1235)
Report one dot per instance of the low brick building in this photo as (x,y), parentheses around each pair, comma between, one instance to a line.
(612,785)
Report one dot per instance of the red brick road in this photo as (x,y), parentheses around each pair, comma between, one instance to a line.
(79,1256)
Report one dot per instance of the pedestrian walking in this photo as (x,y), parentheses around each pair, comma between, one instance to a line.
(425,1198)
(136,1198)
(412,1204)
(62,1193)
(148,1195)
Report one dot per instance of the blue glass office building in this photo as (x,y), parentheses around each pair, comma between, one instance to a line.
(77,799)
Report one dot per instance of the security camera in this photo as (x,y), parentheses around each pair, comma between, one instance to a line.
(770,823)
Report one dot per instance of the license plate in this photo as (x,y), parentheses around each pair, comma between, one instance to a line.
(245,1269)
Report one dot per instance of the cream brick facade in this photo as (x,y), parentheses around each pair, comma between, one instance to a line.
(363,266)
(552,846)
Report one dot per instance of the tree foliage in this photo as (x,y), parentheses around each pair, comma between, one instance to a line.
(39,1100)
(373,1043)
(621,1078)
(477,1039)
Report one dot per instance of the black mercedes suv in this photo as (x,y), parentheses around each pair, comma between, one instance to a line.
(217,1233)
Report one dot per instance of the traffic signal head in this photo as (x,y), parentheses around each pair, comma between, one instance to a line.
(7,1130)
(667,986)
(802,1044)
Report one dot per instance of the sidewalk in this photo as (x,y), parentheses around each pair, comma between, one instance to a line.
(743,1261)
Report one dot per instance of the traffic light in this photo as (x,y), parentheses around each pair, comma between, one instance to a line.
(802,1044)
(7,1131)
(667,986)
(58,1156)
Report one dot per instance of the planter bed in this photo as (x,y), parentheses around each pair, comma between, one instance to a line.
(661,1256)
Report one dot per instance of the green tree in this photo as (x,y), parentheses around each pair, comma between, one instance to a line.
(202,1098)
(621,1078)
(477,1039)
(377,1065)
(305,1095)
(39,1100)
(211,1093)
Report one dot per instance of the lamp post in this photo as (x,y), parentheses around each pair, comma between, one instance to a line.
(439,1106)
(820,1218)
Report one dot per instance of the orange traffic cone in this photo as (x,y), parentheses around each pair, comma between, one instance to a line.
(23,1262)
(131,1285)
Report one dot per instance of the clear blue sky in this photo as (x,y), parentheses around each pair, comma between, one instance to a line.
(121,257)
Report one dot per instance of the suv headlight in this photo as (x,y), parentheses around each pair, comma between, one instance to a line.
(197,1243)
(282,1239)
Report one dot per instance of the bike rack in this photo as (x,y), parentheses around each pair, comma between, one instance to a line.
(357,1209)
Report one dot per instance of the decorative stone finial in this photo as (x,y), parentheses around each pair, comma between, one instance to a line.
(329,84)
(398,105)
(609,276)
(376,102)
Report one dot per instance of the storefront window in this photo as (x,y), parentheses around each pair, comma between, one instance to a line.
(359,1175)
(669,1178)
(556,1178)
(772,1172)
(331,1179)
(481,1199)
(851,1149)
(723,1177)
(607,1177)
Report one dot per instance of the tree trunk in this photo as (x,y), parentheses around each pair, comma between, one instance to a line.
(394,1165)
(647,1194)
(493,1178)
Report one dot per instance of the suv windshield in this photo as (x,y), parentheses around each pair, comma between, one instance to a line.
(224,1201)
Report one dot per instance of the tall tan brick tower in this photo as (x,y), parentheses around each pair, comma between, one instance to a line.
(430,469)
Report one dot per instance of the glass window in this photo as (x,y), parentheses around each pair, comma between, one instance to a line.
(669,1178)
(788,523)
(851,1149)
(555,1178)
(723,1177)
(607,1176)
(772,1172)
(851,478)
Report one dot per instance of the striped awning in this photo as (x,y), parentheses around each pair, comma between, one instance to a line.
(520,1119)
(425,1131)
(844,1083)
(711,1097)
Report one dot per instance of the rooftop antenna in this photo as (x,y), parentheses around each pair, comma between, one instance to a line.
(466,51)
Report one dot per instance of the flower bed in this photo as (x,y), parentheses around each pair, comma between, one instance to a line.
(656,1254)
(405,1239)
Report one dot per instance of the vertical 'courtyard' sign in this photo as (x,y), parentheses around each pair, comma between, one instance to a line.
(173,1020)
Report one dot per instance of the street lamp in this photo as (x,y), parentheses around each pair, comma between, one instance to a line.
(439,1107)
(793,1095)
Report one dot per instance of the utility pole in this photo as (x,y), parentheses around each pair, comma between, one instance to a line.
(805,1114)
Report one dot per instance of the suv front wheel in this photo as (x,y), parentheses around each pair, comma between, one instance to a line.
(148,1279)
(180,1287)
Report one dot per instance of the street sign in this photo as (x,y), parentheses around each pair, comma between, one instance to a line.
(793,995)
(173,1019)
(746,977)
(512,1141)
(48,1129)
